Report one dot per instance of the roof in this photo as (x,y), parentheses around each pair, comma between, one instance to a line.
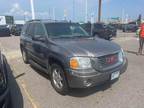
(48,21)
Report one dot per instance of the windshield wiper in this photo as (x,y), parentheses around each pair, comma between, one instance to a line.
(61,36)
(81,36)
(72,36)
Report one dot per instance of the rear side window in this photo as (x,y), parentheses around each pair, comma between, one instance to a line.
(24,29)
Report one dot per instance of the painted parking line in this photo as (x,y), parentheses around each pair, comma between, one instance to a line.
(25,89)
(28,94)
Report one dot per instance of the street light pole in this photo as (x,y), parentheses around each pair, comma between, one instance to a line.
(86,6)
(32,9)
(99,11)
(73,10)
(54,17)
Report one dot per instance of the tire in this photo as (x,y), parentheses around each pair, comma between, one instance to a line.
(58,79)
(96,35)
(25,56)
(108,38)
(123,30)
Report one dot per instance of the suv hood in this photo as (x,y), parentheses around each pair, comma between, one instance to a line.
(88,47)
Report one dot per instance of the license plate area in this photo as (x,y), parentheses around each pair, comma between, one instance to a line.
(115,75)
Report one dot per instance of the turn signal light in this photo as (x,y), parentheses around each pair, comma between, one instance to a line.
(74,64)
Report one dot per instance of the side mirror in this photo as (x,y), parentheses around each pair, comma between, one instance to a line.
(39,38)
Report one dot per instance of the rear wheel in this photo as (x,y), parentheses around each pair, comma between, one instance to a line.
(25,56)
(58,79)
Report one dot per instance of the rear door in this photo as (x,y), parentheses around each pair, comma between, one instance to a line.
(26,38)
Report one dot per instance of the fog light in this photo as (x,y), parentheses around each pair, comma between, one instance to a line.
(87,83)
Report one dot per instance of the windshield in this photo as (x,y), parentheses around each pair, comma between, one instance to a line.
(99,26)
(19,25)
(58,30)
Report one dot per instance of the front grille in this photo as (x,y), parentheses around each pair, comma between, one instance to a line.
(104,62)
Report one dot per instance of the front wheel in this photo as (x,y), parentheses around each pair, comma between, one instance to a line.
(58,79)
(96,35)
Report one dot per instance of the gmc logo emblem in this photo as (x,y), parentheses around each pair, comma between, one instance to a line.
(111,60)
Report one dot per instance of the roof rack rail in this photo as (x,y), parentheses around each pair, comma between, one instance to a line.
(52,20)
(34,20)
(48,20)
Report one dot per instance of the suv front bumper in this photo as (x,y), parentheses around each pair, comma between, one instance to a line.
(80,80)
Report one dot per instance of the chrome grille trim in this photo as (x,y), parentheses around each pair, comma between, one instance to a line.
(100,63)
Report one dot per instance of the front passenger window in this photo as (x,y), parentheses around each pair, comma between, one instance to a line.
(39,30)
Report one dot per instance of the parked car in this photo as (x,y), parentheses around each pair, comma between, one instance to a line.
(4,87)
(113,30)
(16,29)
(4,31)
(130,28)
(98,29)
(71,57)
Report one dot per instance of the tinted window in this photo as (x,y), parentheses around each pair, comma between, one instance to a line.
(3,26)
(98,26)
(87,27)
(39,30)
(24,29)
(9,19)
(65,30)
(19,26)
(30,30)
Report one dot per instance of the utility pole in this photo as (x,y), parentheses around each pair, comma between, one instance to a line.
(32,9)
(123,14)
(54,17)
(86,11)
(65,14)
(99,10)
(73,10)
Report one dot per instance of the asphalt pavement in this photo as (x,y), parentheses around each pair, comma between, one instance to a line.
(32,89)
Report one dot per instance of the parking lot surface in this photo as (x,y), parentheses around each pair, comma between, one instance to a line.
(37,92)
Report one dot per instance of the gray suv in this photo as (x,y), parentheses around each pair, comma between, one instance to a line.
(71,57)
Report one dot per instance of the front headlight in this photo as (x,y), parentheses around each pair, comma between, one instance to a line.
(80,63)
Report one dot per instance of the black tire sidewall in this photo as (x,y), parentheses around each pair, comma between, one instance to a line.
(64,89)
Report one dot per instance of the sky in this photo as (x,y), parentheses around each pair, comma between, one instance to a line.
(47,9)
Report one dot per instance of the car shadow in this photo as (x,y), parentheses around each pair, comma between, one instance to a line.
(16,98)
(84,92)
(133,52)
(79,92)
(40,72)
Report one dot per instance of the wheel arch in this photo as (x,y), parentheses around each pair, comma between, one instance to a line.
(54,60)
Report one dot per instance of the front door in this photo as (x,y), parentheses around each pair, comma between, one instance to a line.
(40,46)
